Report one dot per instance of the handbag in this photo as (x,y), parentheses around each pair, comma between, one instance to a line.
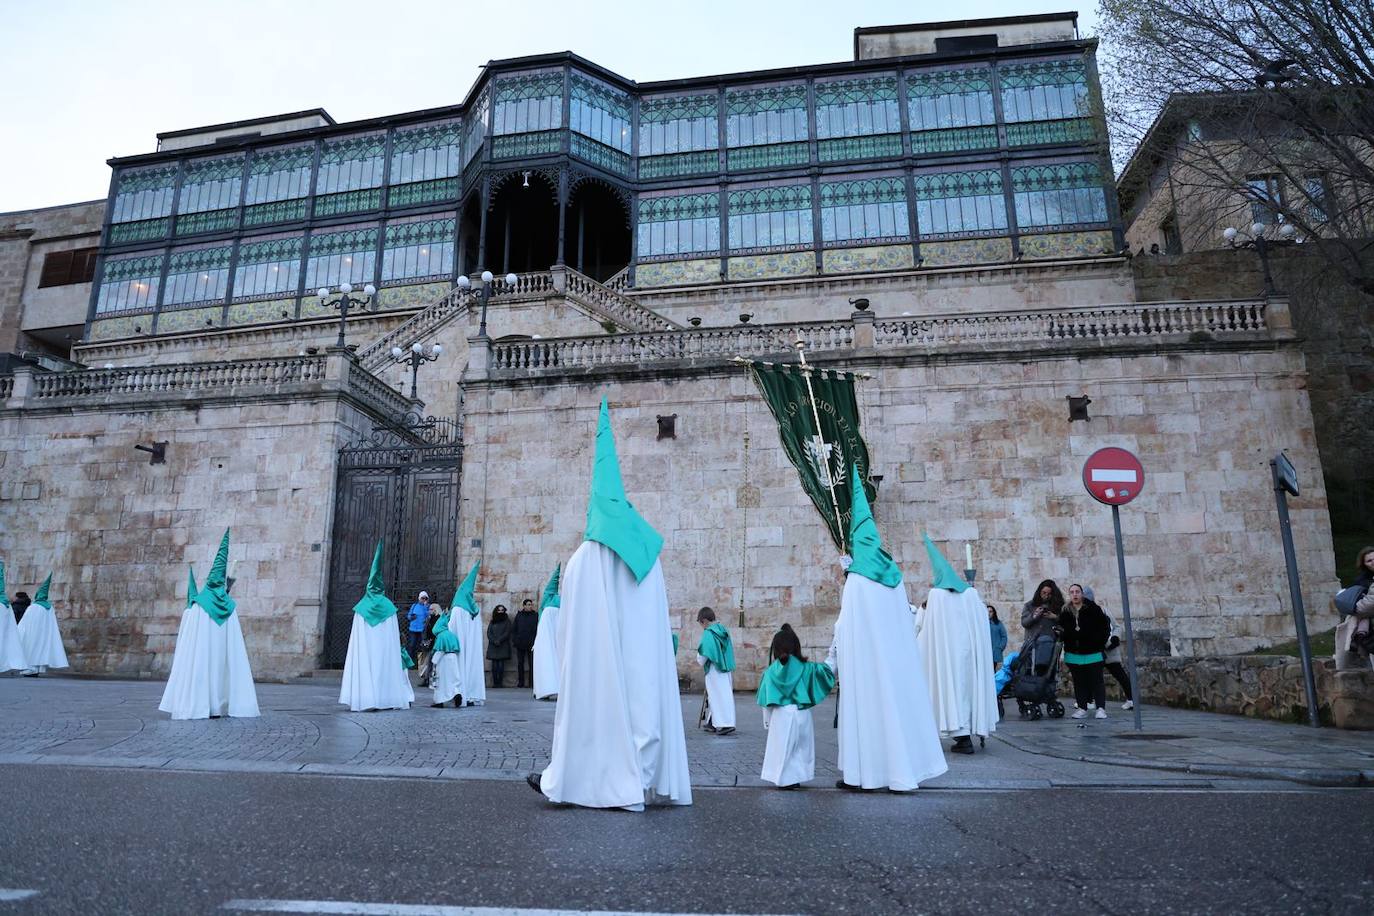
(1347,598)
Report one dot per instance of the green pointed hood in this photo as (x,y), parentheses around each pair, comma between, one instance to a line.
(866,547)
(611,518)
(42,596)
(191,587)
(4,599)
(214,597)
(466,596)
(375,606)
(944,575)
(551,597)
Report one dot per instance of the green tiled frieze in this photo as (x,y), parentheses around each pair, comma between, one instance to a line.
(1072,130)
(279,211)
(531,144)
(122,326)
(874,147)
(874,257)
(348,202)
(677,273)
(209,221)
(612,160)
(312,308)
(965,251)
(417,295)
(1067,245)
(263,312)
(423,192)
(141,231)
(676,164)
(768,156)
(953,140)
(189,319)
(771,266)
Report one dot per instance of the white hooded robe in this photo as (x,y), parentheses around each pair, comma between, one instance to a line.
(956,654)
(472,676)
(11,645)
(42,640)
(373,676)
(546,654)
(210,674)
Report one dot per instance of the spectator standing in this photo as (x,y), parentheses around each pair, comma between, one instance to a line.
(415,618)
(498,644)
(1085,629)
(1040,615)
(1112,655)
(999,637)
(523,633)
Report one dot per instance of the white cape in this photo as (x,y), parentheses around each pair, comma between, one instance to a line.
(447,679)
(956,652)
(373,676)
(472,673)
(887,732)
(210,671)
(42,640)
(720,696)
(789,757)
(618,740)
(11,646)
(546,654)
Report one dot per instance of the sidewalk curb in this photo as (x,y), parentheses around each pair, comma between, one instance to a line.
(1329,778)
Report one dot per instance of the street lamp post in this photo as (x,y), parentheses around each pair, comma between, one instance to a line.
(342,303)
(416,357)
(485,292)
(1260,243)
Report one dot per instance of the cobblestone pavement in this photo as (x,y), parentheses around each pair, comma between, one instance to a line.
(75,721)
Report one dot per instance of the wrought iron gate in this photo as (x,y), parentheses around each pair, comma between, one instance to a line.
(401,488)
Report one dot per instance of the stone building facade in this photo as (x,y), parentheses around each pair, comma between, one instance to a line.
(47,264)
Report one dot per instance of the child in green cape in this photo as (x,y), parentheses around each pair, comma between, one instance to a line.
(790,686)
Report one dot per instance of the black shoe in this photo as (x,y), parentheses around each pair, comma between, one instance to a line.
(437,705)
(963,745)
(841,784)
(458,702)
(532,781)
(795,785)
(727,730)
(709,728)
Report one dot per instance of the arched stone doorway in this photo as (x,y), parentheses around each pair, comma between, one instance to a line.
(598,230)
(522,225)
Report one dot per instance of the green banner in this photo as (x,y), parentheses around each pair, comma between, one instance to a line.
(822,457)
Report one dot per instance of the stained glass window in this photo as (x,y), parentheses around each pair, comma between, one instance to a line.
(951,110)
(127,284)
(771,117)
(338,257)
(268,267)
(953,204)
(598,111)
(420,249)
(210,195)
(678,124)
(475,126)
(528,102)
(197,275)
(278,185)
(1047,91)
(425,153)
(771,217)
(867,209)
(678,225)
(858,108)
(1054,196)
(142,204)
(351,170)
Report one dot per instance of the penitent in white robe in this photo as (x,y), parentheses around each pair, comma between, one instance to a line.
(546,654)
(11,645)
(210,674)
(618,739)
(447,679)
(42,640)
(956,653)
(472,676)
(720,696)
(373,676)
(887,732)
(789,757)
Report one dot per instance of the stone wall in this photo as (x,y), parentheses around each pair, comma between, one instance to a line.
(26,237)
(973,446)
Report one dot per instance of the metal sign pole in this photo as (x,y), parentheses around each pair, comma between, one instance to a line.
(1126,615)
(1294,588)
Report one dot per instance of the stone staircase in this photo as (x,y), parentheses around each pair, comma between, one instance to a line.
(602,302)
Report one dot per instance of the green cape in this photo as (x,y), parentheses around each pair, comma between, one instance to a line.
(375,606)
(611,518)
(191,587)
(675,644)
(803,684)
(551,598)
(716,648)
(406,661)
(944,574)
(42,596)
(214,597)
(3,598)
(866,547)
(444,640)
(466,596)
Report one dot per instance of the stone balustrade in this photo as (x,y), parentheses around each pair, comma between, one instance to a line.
(1159,322)
(424,322)
(610,304)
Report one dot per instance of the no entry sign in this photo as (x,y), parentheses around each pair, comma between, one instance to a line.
(1113,476)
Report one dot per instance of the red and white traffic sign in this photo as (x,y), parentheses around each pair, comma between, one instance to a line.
(1113,476)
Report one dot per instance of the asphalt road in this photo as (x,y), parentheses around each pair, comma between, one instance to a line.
(127,841)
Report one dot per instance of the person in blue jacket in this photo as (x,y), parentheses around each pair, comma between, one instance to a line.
(999,637)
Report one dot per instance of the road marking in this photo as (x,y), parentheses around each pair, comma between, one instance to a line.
(1113,475)
(10,893)
(349,908)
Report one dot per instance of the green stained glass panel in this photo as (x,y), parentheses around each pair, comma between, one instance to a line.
(348,202)
(953,140)
(881,146)
(600,154)
(277,212)
(684,206)
(213,221)
(131,268)
(769,200)
(532,144)
(1060,176)
(399,235)
(271,250)
(1071,130)
(199,259)
(423,192)
(679,164)
(678,108)
(769,156)
(145,230)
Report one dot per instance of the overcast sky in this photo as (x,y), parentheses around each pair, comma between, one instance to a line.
(84,80)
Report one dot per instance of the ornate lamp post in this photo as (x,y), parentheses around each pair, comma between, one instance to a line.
(485,292)
(416,357)
(1261,245)
(343,302)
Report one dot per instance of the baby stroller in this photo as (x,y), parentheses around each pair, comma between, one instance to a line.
(1034,677)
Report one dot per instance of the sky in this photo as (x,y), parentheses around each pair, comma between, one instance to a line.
(84,80)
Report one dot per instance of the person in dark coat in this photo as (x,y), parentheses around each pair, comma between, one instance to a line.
(498,644)
(526,628)
(998,631)
(1039,617)
(20,604)
(1085,630)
